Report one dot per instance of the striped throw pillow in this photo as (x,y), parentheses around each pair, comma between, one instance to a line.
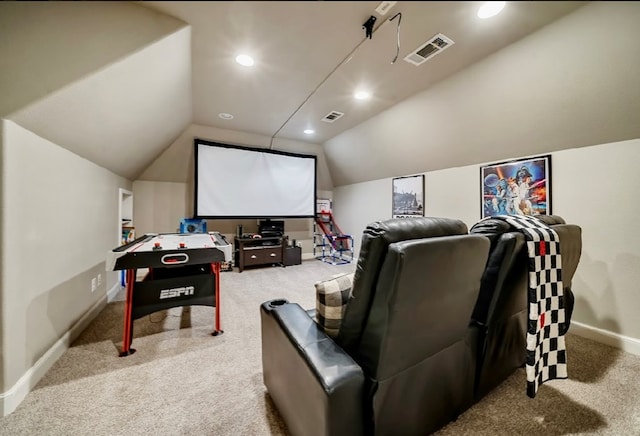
(331,300)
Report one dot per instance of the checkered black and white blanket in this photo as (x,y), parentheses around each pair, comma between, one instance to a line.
(546,351)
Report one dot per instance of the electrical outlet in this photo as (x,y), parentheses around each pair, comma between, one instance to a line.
(99,279)
(93,284)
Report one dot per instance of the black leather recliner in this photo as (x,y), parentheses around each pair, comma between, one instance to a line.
(404,359)
(501,311)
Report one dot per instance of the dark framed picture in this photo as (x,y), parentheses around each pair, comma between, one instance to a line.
(516,187)
(408,196)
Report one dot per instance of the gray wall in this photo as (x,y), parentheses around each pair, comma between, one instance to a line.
(571,89)
(2,122)
(59,219)
(68,40)
(590,187)
(571,84)
(59,210)
(77,73)
(164,192)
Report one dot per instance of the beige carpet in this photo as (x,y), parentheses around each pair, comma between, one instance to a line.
(183,381)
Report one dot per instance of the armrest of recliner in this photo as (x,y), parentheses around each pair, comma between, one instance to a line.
(316,386)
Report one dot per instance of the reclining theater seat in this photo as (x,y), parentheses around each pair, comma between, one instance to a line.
(404,359)
(502,309)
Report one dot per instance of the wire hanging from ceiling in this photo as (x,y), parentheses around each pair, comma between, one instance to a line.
(399,15)
(343,61)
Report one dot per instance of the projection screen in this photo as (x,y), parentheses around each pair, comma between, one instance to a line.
(241,182)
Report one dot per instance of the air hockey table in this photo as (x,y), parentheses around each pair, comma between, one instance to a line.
(183,270)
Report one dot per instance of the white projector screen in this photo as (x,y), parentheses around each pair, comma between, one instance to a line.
(242,182)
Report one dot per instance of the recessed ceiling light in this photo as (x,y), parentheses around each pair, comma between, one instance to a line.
(225,116)
(362,95)
(245,60)
(489,9)
(309,131)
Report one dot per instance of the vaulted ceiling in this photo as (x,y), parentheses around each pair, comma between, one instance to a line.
(118,82)
(312,56)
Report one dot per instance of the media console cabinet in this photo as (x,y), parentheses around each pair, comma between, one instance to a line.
(259,251)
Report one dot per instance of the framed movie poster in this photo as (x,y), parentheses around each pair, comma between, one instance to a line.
(408,196)
(516,187)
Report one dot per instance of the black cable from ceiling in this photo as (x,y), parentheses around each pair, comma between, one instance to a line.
(343,61)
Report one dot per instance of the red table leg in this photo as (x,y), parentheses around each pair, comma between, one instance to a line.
(215,268)
(128,305)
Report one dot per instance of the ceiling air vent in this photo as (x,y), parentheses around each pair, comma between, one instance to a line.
(332,116)
(429,49)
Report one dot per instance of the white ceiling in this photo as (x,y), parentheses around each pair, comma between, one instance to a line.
(167,65)
(311,57)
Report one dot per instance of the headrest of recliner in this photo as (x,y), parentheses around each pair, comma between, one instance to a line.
(497,226)
(402,229)
(551,219)
(491,226)
(376,239)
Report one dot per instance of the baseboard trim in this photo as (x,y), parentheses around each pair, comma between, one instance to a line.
(625,343)
(113,293)
(12,398)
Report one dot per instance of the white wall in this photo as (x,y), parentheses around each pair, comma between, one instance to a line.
(2,142)
(355,206)
(591,187)
(164,192)
(175,164)
(573,83)
(68,40)
(59,219)
(158,207)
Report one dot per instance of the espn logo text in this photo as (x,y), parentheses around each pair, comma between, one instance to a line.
(176,292)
